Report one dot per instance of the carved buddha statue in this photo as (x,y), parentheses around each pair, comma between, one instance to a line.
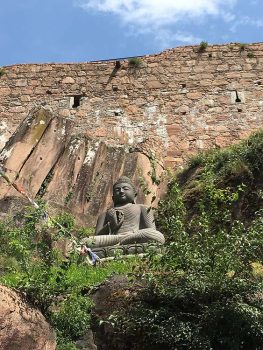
(126,222)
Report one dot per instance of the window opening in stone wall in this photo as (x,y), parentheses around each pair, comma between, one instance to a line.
(237,97)
(74,101)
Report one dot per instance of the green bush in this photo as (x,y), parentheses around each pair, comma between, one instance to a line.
(242,46)
(72,317)
(63,344)
(203,46)
(234,169)
(59,287)
(2,72)
(205,290)
(135,62)
(250,54)
(202,291)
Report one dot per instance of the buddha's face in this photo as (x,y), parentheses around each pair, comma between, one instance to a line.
(123,193)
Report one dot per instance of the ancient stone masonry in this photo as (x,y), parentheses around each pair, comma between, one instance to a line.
(171,106)
(185,99)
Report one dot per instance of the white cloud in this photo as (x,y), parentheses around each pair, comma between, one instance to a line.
(156,17)
(166,38)
(228,16)
(246,21)
(158,12)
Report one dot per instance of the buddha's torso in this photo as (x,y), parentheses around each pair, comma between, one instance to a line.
(132,216)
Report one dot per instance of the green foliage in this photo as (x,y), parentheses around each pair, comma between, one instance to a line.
(63,344)
(45,184)
(65,222)
(72,316)
(203,46)
(135,62)
(83,232)
(205,289)
(58,286)
(203,293)
(242,46)
(171,212)
(2,72)
(236,169)
(250,54)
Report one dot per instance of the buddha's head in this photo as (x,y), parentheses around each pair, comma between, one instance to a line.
(123,191)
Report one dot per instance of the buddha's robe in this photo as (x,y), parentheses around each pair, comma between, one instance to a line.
(138,227)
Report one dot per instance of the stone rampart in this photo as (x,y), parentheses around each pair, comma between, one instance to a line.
(177,102)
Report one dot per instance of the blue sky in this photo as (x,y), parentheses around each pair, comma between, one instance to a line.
(36,31)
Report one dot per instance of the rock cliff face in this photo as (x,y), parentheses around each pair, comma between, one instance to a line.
(22,327)
(48,160)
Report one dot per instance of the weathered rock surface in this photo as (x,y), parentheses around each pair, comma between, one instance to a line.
(22,143)
(21,326)
(74,172)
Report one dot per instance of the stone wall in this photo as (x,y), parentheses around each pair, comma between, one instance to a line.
(179,101)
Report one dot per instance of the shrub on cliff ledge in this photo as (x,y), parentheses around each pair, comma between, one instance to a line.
(203,46)
(135,62)
(235,169)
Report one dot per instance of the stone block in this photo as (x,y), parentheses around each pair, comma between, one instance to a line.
(154,84)
(21,82)
(173,129)
(222,67)
(17,109)
(4,91)
(64,113)
(68,80)
(194,95)
(25,98)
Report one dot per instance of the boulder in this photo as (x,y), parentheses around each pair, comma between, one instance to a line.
(22,326)
(116,294)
